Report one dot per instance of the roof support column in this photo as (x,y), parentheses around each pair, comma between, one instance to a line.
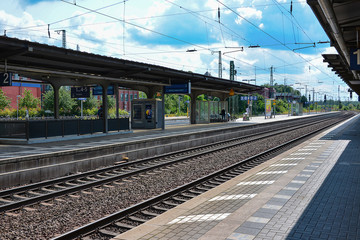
(56,100)
(105,105)
(163,108)
(116,89)
(193,96)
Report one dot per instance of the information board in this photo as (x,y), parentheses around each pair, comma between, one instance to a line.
(98,90)
(80,92)
(245,98)
(184,88)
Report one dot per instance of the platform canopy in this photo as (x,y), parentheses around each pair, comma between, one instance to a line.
(50,64)
(341,21)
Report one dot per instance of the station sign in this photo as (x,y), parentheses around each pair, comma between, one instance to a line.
(355,58)
(98,90)
(184,88)
(80,92)
(246,98)
(5,79)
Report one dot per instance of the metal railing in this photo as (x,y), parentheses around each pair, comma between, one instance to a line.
(44,128)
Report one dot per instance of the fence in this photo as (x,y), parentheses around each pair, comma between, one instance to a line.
(27,129)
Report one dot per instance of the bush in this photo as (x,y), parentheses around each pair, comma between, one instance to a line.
(5,113)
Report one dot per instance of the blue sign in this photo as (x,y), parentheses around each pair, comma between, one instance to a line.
(184,88)
(98,90)
(355,58)
(245,98)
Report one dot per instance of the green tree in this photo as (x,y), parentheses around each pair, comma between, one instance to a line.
(66,103)
(4,100)
(90,102)
(171,103)
(28,100)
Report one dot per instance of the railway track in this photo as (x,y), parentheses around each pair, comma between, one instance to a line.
(83,206)
(119,222)
(16,198)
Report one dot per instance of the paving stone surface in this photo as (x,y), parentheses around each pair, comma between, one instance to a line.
(317,197)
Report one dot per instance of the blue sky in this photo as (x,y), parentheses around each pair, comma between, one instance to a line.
(161,31)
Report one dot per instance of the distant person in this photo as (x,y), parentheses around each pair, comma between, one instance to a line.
(222,114)
(100,112)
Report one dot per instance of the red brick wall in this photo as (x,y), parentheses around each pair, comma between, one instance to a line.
(14,91)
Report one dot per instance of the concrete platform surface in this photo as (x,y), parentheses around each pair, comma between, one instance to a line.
(58,144)
(309,192)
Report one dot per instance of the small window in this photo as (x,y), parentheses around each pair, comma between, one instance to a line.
(131,97)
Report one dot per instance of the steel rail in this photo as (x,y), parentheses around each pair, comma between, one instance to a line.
(105,221)
(90,184)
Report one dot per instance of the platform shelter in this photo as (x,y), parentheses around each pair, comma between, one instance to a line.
(45,64)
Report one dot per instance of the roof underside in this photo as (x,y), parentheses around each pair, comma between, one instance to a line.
(49,64)
(341,21)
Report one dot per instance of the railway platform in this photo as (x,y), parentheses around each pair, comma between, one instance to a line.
(308,192)
(11,149)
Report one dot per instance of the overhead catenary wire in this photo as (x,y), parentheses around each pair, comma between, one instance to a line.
(207,48)
(269,35)
(137,26)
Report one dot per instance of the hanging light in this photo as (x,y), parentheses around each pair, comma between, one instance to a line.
(231,93)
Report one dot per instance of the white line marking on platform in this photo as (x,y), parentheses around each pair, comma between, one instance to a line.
(241,236)
(295,158)
(304,175)
(258,220)
(233,197)
(294,154)
(295,181)
(308,170)
(291,188)
(271,172)
(256,183)
(200,218)
(285,164)
(314,166)
(308,149)
(270,206)
(282,196)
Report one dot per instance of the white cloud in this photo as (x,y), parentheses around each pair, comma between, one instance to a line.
(93,35)
(248,13)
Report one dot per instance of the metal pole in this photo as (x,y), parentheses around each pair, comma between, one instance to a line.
(81,108)
(220,65)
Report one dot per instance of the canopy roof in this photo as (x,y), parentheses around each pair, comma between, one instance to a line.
(49,64)
(341,21)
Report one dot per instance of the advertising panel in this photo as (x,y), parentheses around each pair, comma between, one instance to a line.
(268,107)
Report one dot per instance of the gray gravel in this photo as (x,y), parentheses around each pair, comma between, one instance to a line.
(48,221)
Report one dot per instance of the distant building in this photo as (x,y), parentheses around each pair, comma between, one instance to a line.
(125,98)
(18,89)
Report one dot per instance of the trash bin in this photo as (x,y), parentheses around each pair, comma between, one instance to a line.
(245,117)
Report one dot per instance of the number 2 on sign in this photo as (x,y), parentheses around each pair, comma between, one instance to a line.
(6,79)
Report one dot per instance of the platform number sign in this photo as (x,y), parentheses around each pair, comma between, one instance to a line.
(354,59)
(5,79)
